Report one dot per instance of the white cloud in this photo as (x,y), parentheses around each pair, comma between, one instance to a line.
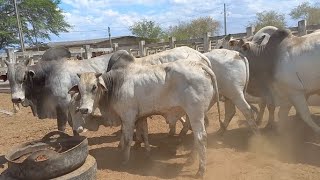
(94,16)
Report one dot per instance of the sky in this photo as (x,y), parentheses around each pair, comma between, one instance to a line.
(90,19)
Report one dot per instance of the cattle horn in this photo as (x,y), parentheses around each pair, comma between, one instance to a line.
(27,61)
(7,62)
(73,90)
(98,75)
(228,37)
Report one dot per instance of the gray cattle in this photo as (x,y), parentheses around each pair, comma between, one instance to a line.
(49,82)
(287,68)
(44,86)
(135,91)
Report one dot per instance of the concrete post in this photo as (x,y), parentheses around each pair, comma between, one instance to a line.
(250,31)
(11,56)
(207,42)
(172,42)
(302,27)
(142,50)
(115,47)
(87,52)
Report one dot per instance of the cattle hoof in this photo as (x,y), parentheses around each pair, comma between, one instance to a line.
(125,162)
(171,133)
(221,131)
(200,174)
(75,133)
(269,126)
(183,133)
(136,145)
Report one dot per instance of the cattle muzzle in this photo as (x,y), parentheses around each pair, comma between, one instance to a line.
(17,100)
(84,110)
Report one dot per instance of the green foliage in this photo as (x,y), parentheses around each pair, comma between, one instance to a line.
(194,29)
(269,18)
(148,30)
(311,13)
(38,19)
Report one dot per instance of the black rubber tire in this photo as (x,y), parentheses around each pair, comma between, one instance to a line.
(87,171)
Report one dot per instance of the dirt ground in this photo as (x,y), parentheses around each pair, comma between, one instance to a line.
(288,153)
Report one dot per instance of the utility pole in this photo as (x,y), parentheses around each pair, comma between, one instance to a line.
(19,26)
(109,32)
(225,18)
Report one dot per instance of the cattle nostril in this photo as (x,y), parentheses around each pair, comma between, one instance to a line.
(84,110)
(16,100)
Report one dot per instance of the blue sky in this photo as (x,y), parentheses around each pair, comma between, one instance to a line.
(91,18)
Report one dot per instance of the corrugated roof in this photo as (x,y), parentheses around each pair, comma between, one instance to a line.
(83,42)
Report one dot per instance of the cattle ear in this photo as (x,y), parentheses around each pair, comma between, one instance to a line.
(260,40)
(6,62)
(241,42)
(246,46)
(73,90)
(98,75)
(228,37)
(102,84)
(233,42)
(4,77)
(26,62)
(31,73)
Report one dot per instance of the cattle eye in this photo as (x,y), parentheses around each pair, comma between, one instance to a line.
(94,87)
(220,47)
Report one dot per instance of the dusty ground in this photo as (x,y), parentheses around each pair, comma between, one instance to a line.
(289,153)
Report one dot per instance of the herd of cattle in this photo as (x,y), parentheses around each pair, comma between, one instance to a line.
(272,68)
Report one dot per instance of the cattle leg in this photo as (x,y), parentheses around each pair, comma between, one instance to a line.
(301,105)
(245,108)
(127,131)
(262,107)
(172,127)
(62,119)
(230,111)
(271,109)
(200,140)
(142,134)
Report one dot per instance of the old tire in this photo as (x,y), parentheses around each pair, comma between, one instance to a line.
(87,171)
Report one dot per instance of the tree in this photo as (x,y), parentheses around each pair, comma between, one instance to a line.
(195,28)
(38,19)
(269,18)
(147,30)
(311,13)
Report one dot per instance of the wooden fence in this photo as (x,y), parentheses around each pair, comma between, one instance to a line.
(204,44)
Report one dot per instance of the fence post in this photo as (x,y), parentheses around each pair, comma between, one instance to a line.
(87,52)
(142,50)
(172,42)
(302,27)
(2,64)
(207,42)
(250,31)
(115,47)
(11,56)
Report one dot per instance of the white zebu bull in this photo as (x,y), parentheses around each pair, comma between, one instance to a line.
(135,91)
